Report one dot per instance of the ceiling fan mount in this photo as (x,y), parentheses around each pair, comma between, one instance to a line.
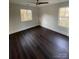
(38,3)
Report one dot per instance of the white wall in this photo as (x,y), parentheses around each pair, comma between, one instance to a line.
(15,23)
(49,17)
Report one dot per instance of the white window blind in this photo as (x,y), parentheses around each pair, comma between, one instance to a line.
(64,17)
(26,15)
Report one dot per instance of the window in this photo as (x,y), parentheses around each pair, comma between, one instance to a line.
(64,17)
(26,15)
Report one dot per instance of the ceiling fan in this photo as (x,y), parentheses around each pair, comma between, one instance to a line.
(38,2)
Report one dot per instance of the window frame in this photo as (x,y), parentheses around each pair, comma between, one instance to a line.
(26,14)
(64,17)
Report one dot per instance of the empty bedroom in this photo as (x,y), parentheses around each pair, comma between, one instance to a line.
(39,29)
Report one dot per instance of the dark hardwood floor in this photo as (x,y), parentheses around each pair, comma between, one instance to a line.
(38,43)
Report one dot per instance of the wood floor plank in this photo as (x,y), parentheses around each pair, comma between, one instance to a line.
(38,43)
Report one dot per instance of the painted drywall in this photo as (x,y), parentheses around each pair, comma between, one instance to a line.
(15,23)
(49,17)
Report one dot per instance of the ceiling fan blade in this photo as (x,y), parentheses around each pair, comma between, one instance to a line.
(37,0)
(43,3)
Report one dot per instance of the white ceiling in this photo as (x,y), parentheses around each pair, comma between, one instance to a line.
(25,2)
